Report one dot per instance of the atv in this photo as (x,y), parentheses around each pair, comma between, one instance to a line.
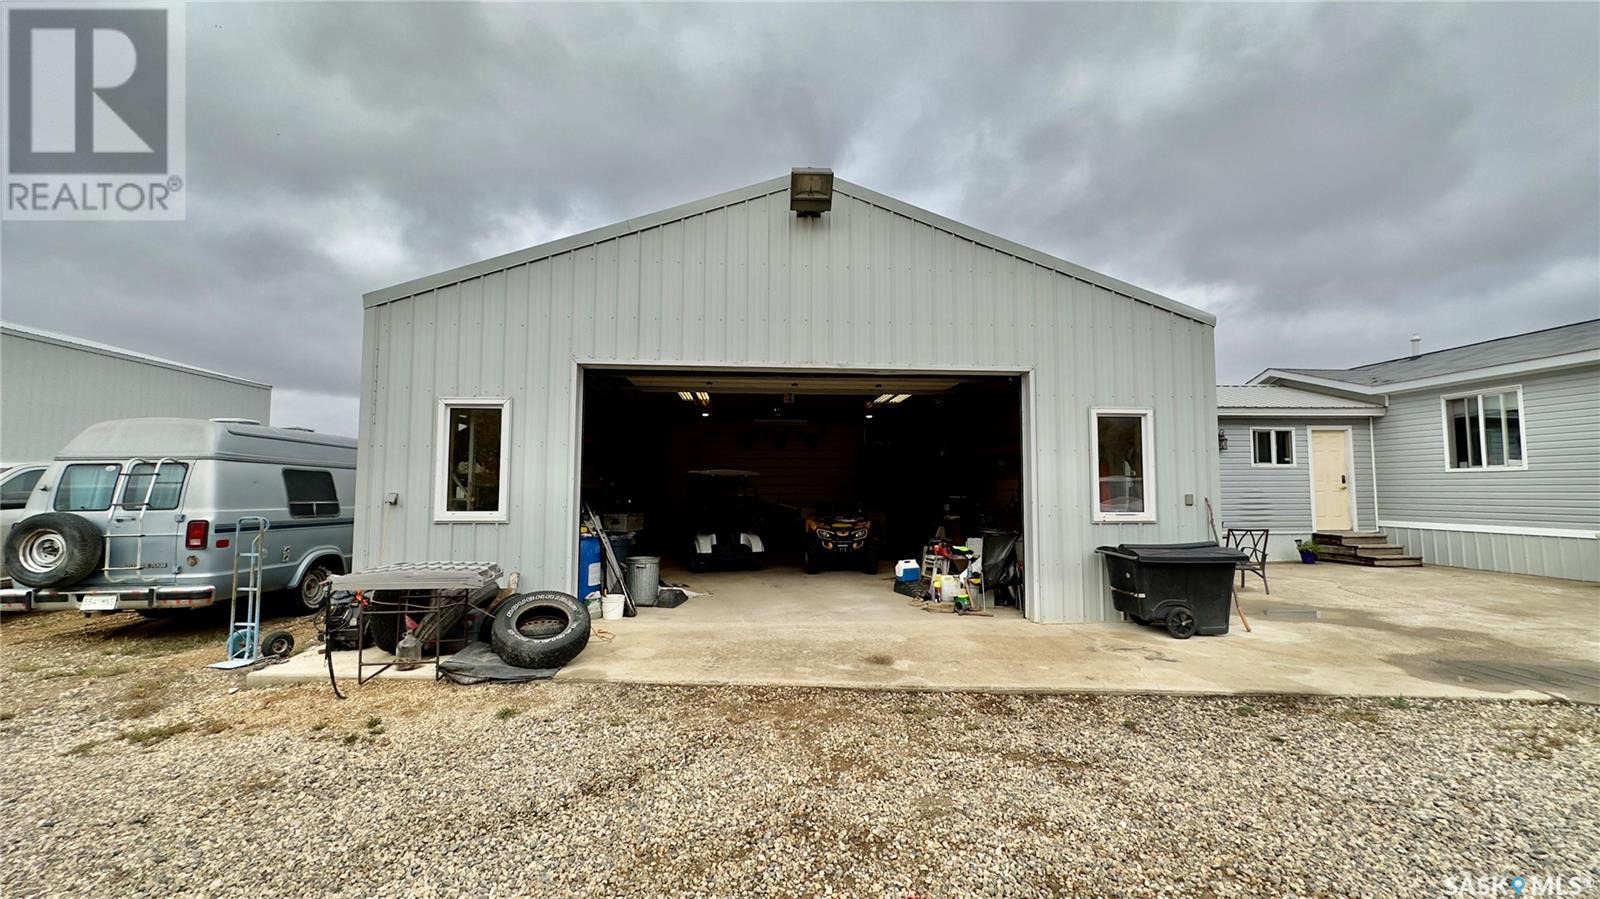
(840,536)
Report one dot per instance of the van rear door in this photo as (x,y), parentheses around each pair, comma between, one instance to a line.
(146,527)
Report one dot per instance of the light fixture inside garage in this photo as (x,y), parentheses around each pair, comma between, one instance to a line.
(810,192)
(890,399)
(695,396)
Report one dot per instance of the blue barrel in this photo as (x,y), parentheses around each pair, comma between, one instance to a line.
(589,567)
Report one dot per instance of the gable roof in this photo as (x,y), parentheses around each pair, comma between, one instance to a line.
(780,185)
(40,335)
(1266,400)
(1577,343)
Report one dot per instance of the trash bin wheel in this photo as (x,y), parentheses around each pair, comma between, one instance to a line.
(1181,623)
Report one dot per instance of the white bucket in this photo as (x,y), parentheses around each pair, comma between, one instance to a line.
(611,606)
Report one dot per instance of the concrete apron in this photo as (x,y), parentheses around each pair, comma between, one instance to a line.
(1428,632)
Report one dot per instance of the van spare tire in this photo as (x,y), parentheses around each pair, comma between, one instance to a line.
(546,629)
(56,549)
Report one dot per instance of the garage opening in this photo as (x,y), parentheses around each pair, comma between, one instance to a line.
(760,481)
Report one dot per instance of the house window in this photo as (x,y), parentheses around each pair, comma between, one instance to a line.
(473,446)
(311,493)
(1484,430)
(1272,446)
(1124,483)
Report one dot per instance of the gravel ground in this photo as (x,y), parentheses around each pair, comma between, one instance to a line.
(136,772)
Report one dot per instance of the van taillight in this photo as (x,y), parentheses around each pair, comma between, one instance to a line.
(194,536)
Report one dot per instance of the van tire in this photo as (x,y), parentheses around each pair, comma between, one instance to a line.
(525,632)
(56,549)
(312,590)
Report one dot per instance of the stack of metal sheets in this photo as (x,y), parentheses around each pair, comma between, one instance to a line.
(420,576)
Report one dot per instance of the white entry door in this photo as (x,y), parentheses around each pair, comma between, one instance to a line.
(1331,479)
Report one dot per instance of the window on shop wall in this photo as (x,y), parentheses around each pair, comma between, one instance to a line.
(1124,487)
(473,447)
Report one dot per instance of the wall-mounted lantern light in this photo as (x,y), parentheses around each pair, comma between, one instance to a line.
(1222,440)
(810,191)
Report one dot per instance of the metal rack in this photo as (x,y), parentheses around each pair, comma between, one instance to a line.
(413,588)
(414,603)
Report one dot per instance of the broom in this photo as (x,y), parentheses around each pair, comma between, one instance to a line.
(1211,520)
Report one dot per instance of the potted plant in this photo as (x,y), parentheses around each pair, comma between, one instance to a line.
(1308,551)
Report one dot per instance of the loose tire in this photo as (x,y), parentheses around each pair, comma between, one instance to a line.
(1181,623)
(278,644)
(546,629)
(56,549)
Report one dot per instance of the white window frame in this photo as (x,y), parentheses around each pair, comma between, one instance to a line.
(441,459)
(1483,436)
(1147,451)
(1294,449)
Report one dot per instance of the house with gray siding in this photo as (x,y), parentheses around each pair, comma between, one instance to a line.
(1481,456)
(1295,462)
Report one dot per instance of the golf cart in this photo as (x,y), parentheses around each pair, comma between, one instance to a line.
(722,509)
(839,535)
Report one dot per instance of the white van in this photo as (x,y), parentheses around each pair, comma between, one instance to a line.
(146,514)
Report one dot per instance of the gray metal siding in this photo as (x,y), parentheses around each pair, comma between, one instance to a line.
(1564,557)
(1560,488)
(1280,498)
(865,287)
(49,392)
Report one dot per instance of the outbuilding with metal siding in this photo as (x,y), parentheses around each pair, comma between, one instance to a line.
(740,283)
(53,386)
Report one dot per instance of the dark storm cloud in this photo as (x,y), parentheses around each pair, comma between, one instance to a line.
(1328,179)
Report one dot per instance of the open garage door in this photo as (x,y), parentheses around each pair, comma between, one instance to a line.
(799,474)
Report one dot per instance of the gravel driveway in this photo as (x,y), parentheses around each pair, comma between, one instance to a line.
(135,772)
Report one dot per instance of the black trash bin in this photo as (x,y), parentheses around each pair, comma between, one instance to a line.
(1185,586)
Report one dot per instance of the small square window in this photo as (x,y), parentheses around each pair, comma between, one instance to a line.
(1272,446)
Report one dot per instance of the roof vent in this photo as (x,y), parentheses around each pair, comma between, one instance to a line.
(1416,345)
(236,421)
(810,192)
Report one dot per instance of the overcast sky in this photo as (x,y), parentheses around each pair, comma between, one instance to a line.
(1326,179)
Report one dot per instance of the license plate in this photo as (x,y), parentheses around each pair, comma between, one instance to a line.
(99,602)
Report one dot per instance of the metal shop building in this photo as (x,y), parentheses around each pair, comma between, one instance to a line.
(835,344)
(53,386)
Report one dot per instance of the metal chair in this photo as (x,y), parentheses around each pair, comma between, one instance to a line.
(1254,542)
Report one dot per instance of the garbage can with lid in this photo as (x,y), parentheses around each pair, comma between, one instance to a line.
(1185,586)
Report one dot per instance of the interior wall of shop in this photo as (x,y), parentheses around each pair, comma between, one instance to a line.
(902,465)
(737,281)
